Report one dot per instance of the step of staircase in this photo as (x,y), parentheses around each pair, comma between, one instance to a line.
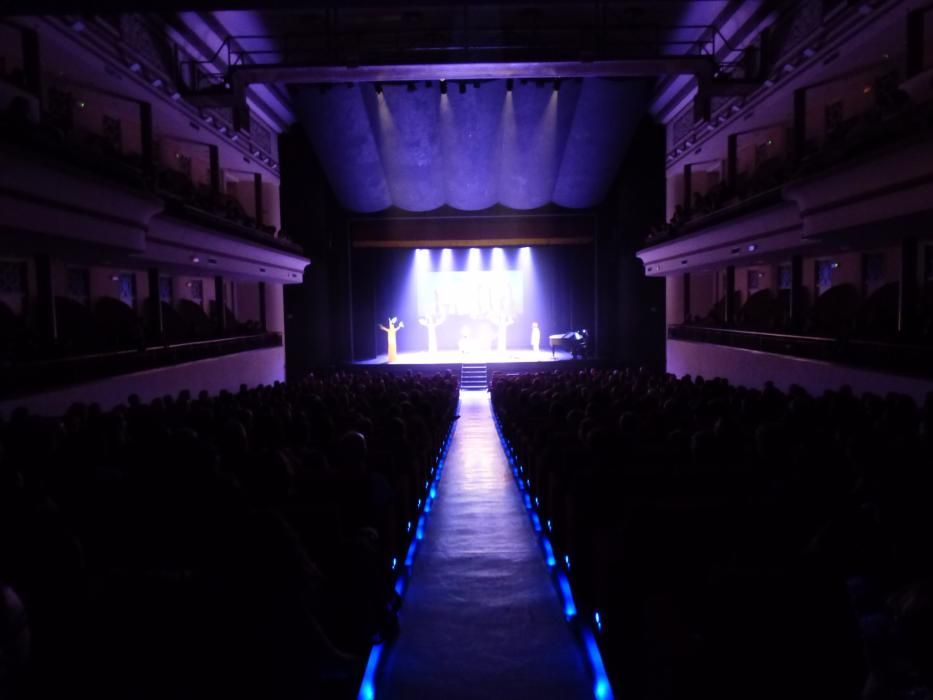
(474,378)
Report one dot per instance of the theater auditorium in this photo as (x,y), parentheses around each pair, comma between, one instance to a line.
(507,349)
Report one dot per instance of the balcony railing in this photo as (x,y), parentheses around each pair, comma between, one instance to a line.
(30,377)
(91,154)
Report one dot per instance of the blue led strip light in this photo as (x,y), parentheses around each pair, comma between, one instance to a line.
(602,690)
(368,685)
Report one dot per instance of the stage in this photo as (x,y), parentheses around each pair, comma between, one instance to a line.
(455,357)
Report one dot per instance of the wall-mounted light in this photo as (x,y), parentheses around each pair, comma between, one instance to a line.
(157,83)
(752,247)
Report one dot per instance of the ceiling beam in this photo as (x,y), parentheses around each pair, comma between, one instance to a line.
(699,66)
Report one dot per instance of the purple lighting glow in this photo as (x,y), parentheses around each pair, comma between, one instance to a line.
(421,149)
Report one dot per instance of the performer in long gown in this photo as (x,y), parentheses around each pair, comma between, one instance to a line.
(431,322)
(502,321)
(535,337)
(394,327)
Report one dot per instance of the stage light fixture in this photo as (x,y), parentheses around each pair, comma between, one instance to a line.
(509,84)
(378,87)
(557,85)
(462,88)
(411,87)
(443,87)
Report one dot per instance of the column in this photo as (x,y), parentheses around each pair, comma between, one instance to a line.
(729,306)
(262,306)
(146,149)
(796,292)
(156,322)
(220,304)
(907,289)
(257,197)
(915,41)
(46,322)
(32,67)
(800,123)
(688,187)
(686,291)
(732,161)
(214,154)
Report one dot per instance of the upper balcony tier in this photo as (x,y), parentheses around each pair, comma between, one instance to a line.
(872,184)
(70,192)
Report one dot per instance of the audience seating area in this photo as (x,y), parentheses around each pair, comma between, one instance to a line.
(108,326)
(737,543)
(239,545)
(840,314)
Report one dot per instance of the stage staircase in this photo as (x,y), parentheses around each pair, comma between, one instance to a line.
(473,378)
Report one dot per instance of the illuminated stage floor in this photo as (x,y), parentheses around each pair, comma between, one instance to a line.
(481,617)
(454,357)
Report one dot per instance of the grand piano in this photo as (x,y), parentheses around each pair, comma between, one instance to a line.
(574,342)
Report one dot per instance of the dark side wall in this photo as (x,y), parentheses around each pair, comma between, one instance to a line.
(317,312)
(631,324)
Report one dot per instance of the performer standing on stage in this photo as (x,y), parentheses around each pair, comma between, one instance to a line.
(391,332)
(502,321)
(431,322)
(535,337)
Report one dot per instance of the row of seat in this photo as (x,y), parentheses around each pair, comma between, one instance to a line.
(243,544)
(839,312)
(109,325)
(736,542)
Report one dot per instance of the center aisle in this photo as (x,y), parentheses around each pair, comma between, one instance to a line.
(481,617)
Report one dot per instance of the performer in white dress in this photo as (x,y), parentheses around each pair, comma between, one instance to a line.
(535,337)
(502,322)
